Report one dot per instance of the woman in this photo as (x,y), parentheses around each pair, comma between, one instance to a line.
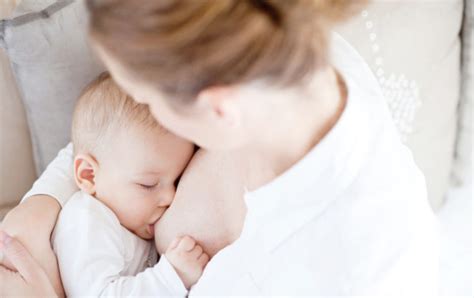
(301,182)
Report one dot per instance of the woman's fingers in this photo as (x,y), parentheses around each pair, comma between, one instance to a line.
(6,262)
(12,284)
(19,257)
(30,280)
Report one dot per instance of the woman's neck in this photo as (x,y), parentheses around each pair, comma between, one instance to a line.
(293,126)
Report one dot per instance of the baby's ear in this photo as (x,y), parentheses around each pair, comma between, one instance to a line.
(85,168)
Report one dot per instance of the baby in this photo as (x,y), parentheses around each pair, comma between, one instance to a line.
(126,166)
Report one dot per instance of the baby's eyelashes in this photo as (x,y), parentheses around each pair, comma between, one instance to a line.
(147,186)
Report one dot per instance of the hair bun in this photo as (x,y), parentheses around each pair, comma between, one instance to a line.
(268,8)
(298,12)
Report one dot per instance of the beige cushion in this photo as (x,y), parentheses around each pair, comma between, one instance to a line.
(413,48)
(16,160)
(52,63)
(7,7)
(28,6)
(462,170)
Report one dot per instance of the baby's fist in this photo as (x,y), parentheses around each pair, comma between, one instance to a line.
(187,258)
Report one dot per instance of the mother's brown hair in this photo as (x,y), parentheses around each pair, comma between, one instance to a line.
(183,46)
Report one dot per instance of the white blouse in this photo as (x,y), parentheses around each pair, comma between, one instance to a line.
(351,218)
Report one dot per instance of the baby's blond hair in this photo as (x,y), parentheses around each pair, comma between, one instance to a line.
(104,109)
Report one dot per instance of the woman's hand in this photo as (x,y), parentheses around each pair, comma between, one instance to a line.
(29,280)
(31,224)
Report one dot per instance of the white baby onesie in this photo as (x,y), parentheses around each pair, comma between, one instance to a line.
(97,256)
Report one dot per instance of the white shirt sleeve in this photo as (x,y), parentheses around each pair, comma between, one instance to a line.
(159,280)
(91,255)
(57,180)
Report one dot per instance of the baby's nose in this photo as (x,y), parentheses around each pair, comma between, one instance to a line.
(167,196)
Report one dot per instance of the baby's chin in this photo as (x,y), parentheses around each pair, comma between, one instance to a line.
(145,233)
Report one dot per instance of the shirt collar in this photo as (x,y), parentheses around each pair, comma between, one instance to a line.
(280,207)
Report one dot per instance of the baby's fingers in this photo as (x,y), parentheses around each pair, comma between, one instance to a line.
(186,244)
(203,259)
(196,252)
(174,243)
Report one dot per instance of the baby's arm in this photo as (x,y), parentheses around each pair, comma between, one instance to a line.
(91,255)
(179,269)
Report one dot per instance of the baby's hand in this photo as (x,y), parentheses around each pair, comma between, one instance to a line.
(187,258)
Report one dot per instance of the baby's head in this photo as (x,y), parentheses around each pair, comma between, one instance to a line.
(123,157)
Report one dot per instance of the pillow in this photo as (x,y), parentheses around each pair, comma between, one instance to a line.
(413,48)
(16,174)
(52,63)
(32,6)
(462,170)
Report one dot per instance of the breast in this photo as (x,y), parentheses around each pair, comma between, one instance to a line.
(208,205)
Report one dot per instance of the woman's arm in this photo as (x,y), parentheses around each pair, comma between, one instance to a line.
(30,280)
(57,181)
(32,222)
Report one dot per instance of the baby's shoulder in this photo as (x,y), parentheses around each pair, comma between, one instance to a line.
(84,209)
(86,224)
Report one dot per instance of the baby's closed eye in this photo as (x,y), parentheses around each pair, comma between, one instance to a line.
(148,186)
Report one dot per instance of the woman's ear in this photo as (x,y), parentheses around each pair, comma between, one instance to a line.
(85,168)
(220,102)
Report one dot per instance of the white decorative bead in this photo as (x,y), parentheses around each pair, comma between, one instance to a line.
(401,94)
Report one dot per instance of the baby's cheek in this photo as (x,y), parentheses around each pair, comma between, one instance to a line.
(132,220)
(135,217)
